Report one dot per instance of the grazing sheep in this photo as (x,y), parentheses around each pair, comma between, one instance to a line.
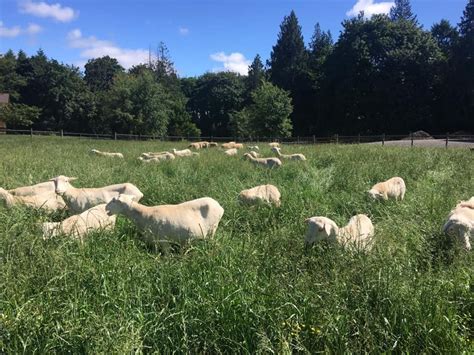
(358,232)
(267,162)
(392,188)
(274,144)
(460,223)
(152,154)
(182,153)
(78,226)
(146,158)
(170,223)
(300,157)
(261,194)
(254,154)
(231,145)
(195,145)
(106,154)
(253,147)
(38,189)
(213,145)
(230,152)
(80,199)
(47,200)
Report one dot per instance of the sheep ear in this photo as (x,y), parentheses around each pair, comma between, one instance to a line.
(327,228)
(307,220)
(72,178)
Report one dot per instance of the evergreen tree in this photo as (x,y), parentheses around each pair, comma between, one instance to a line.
(100,72)
(256,74)
(402,11)
(446,36)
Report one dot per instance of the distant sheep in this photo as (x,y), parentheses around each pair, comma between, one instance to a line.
(266,162)
(78,226)
(274,144)
(392,188)
(299,157)
(261,194)
(106,154)
(358,232)
(460,223)
(182,153)
(253,147)
(47,201)
(80,199)
(156,158)
(231,145)
(231,152)
(171,223)
(200,145)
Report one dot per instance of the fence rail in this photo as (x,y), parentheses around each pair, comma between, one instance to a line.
(383,139)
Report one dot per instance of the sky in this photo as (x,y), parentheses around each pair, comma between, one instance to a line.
(201,35)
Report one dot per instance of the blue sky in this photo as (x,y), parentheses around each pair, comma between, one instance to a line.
(201,35)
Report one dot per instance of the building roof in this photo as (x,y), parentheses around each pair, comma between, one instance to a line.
(4,98)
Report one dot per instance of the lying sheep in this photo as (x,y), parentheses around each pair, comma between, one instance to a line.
(213,145)
(460,223)
(78,226)
(47,201)
(80,199)
(106,154)
(156,158)
(152,154)
(266,162)
(199,145)
(38,189)
(253,147)
(231,145)
(358,232)
(274,144)
(170,223)
(392,188)
(300,157)
(261,194)
(230,152)
(182,153)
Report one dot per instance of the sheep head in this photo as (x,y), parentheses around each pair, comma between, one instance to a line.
(320,228)
(62,183)
(375,194)
(118,204)
(459,230)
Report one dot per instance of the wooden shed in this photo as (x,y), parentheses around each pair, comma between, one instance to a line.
(4,99)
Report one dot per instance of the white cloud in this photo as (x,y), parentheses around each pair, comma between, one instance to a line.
(42,9)
(15,31)
(91,47)
(183,31)
(370,8)
(234,62)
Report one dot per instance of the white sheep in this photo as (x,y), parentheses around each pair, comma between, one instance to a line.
(267,162)
(231,152)
(460,223)
(254,154)
(274,144)
(358,232)
(298,156)
(167,224)
(231,145)
(253,147)
(200,145)
(47,200)
(391,188)
(80,199)
(182,153)
(213,145)
(106,154)
(38,189)
(78,226)
(261,194)
(147,158)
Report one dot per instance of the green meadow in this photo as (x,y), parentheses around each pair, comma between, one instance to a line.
(254,288)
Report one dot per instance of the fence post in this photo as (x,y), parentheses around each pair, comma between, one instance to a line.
(115,136)
(31,132)
(383,139)
(358,138)
(411,137)
(447,140)
(314,139)
(337,138)
(62,133)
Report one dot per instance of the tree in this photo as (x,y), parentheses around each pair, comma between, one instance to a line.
(256,74)
(446,36)
(402,11)
(215,96)
(10,81)
(137,104)
(267,116)
(100,72)
(19,115)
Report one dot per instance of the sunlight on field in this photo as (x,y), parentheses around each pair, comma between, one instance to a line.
(254,288)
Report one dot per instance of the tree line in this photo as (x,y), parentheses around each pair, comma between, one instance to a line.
(384,74)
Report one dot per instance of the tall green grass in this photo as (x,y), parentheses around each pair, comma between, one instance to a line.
(254,288)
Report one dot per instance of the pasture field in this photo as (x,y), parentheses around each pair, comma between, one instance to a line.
(254,288)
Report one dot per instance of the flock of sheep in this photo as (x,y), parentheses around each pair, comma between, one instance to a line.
(164,225)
